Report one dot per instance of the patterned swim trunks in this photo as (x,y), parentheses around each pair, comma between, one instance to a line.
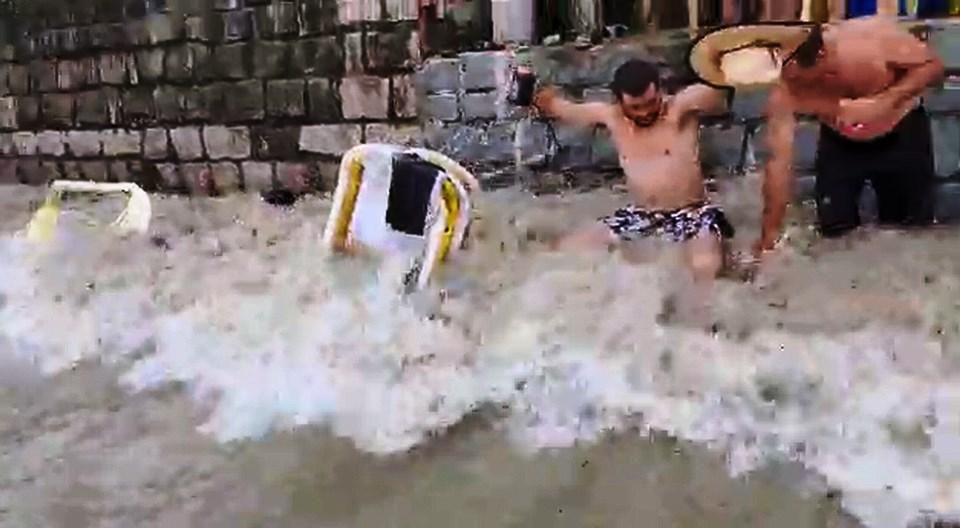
(677,225)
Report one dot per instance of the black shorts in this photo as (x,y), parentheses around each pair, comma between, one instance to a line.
(899,166)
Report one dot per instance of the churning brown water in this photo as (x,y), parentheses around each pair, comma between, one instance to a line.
(226,372)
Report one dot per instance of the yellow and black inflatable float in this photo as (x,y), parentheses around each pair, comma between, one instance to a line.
(396,199)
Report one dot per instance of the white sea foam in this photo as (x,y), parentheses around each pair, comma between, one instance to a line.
(267,332)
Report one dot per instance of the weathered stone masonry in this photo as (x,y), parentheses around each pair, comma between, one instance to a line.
(223,95)
(219,96)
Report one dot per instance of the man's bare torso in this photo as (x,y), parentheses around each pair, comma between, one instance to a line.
(660,161)
(850,68)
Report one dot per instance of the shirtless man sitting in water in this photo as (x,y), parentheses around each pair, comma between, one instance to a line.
(656,137)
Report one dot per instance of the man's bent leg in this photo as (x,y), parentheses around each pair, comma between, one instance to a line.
(591,238)
(840,179)
(905,182)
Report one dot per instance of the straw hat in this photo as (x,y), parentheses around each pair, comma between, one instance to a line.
(745,55)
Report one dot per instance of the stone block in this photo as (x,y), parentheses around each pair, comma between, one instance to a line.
(195,104)
(275,143)
(439,75)
(99,107)
(598,95)
(285,98)
(71,170)
(43,76)
(50,143)
(365,97)
(214,98)
(121,142)
(8,172)
(257,176)
(25,143)
(8,113)
(161,27)
(480,105)
(390,51)
(28,111)
(187,62)
(4,79)
(106,36)
(28,171)
(227,142)
(353,53)
(7,147)
(206,27)
(18,79)
(84,143)
(168,177)
(226,177)
(324,101)
(119,171)
(57,109)
(277,19)
(230,61)
(294,177)
(329,139)
(138,105)
(943,100)
(318,56)
(749,105)
(197,178)
(947,204)
(69,75)
(270,59)
(114,66)
(722,147)
(156,144)
(187,143)
(946,144)
(404,96)
(243,101)
(169,102)
(237,25)
(407,135)
(150,64)
(575,146)
(318,16)
(804,146)
(604,152)
(533,142)
(484,70)
(440,106)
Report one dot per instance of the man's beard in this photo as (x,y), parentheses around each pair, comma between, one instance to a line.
(646,121)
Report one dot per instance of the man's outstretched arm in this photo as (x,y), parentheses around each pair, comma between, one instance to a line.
(552,104)
(778,173)
(700,99)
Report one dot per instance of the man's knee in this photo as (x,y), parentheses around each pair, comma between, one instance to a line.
(706,264)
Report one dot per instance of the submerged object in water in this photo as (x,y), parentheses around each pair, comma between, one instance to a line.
(135,217)
(400,200)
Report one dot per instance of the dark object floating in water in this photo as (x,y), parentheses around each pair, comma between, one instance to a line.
(279,197)
(160,242)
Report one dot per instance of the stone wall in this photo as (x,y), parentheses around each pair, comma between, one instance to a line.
(211,96)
